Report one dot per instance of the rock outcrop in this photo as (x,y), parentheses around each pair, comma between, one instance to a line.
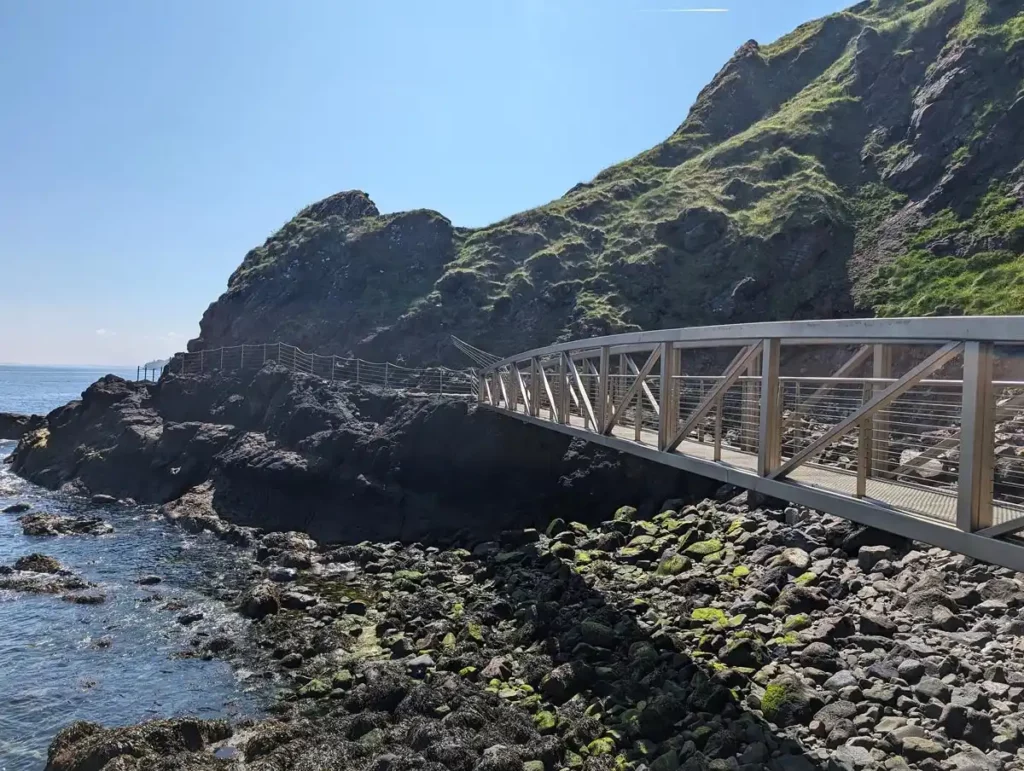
(868,162)
(13,426)
(285,451)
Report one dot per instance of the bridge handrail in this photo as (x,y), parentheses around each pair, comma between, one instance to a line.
(385,374)
(993,329)
(915,430)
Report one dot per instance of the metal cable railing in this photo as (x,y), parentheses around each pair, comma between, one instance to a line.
(916,425)
(478,356)
(430,380)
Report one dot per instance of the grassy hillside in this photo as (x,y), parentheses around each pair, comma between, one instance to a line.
(868,162)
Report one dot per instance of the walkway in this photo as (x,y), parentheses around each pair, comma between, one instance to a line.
(914,426)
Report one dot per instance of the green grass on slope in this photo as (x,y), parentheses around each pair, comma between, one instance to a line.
(981,20)
(919,283)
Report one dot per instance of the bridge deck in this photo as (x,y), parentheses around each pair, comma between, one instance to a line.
(936,505)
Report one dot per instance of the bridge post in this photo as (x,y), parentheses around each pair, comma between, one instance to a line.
(602,392)
(769,438)
(623,371)
(748,405)
(669,400)
(563,389)
(977,440)
(534,389)
(719,419)
(878,455)
(513,387)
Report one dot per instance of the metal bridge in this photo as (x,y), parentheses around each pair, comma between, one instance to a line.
(913,426)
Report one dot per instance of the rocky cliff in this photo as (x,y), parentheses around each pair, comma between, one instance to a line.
(868,162)
(286,451)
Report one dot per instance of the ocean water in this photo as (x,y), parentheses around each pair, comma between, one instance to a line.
(37,390)
(118,662)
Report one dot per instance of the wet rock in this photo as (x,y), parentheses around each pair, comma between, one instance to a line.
(259,600)
(81,746)
(38,563)
(53,525)
(295,600)
(282,575)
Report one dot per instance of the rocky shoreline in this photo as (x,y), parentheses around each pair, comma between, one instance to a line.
(565,630)
(710,636)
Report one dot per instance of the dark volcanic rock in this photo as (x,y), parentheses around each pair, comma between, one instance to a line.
(14,426)
(251,450)
(54,524)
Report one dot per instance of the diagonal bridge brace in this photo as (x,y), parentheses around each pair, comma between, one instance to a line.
(1009,527)
(879,402)
(732,374)
(643,372)
(862,355)
(584,397)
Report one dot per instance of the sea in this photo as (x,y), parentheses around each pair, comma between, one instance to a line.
(122,661)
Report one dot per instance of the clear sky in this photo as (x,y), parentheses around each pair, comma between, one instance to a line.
(145,146)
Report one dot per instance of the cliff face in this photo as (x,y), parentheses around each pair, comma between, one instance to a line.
(869,162)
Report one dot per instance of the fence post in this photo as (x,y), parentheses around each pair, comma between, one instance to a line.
(977,440)
(222,359)
(669,407)
(769,435)
(241,359)
(332,367)
(440,381)
(385,374)
(201,361)
(878,455)
(357,371)
(603,372)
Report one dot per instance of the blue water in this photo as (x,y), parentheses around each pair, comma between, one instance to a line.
(53,670)
(37,390)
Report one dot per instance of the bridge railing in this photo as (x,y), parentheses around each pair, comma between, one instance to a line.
(430,380)
(920,417)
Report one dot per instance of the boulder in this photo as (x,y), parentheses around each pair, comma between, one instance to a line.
(259,600)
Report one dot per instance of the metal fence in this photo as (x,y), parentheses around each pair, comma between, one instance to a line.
(429,380)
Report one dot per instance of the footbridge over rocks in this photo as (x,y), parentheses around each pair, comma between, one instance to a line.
(913,426)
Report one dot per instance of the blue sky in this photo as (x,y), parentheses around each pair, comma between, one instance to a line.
(146,146)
